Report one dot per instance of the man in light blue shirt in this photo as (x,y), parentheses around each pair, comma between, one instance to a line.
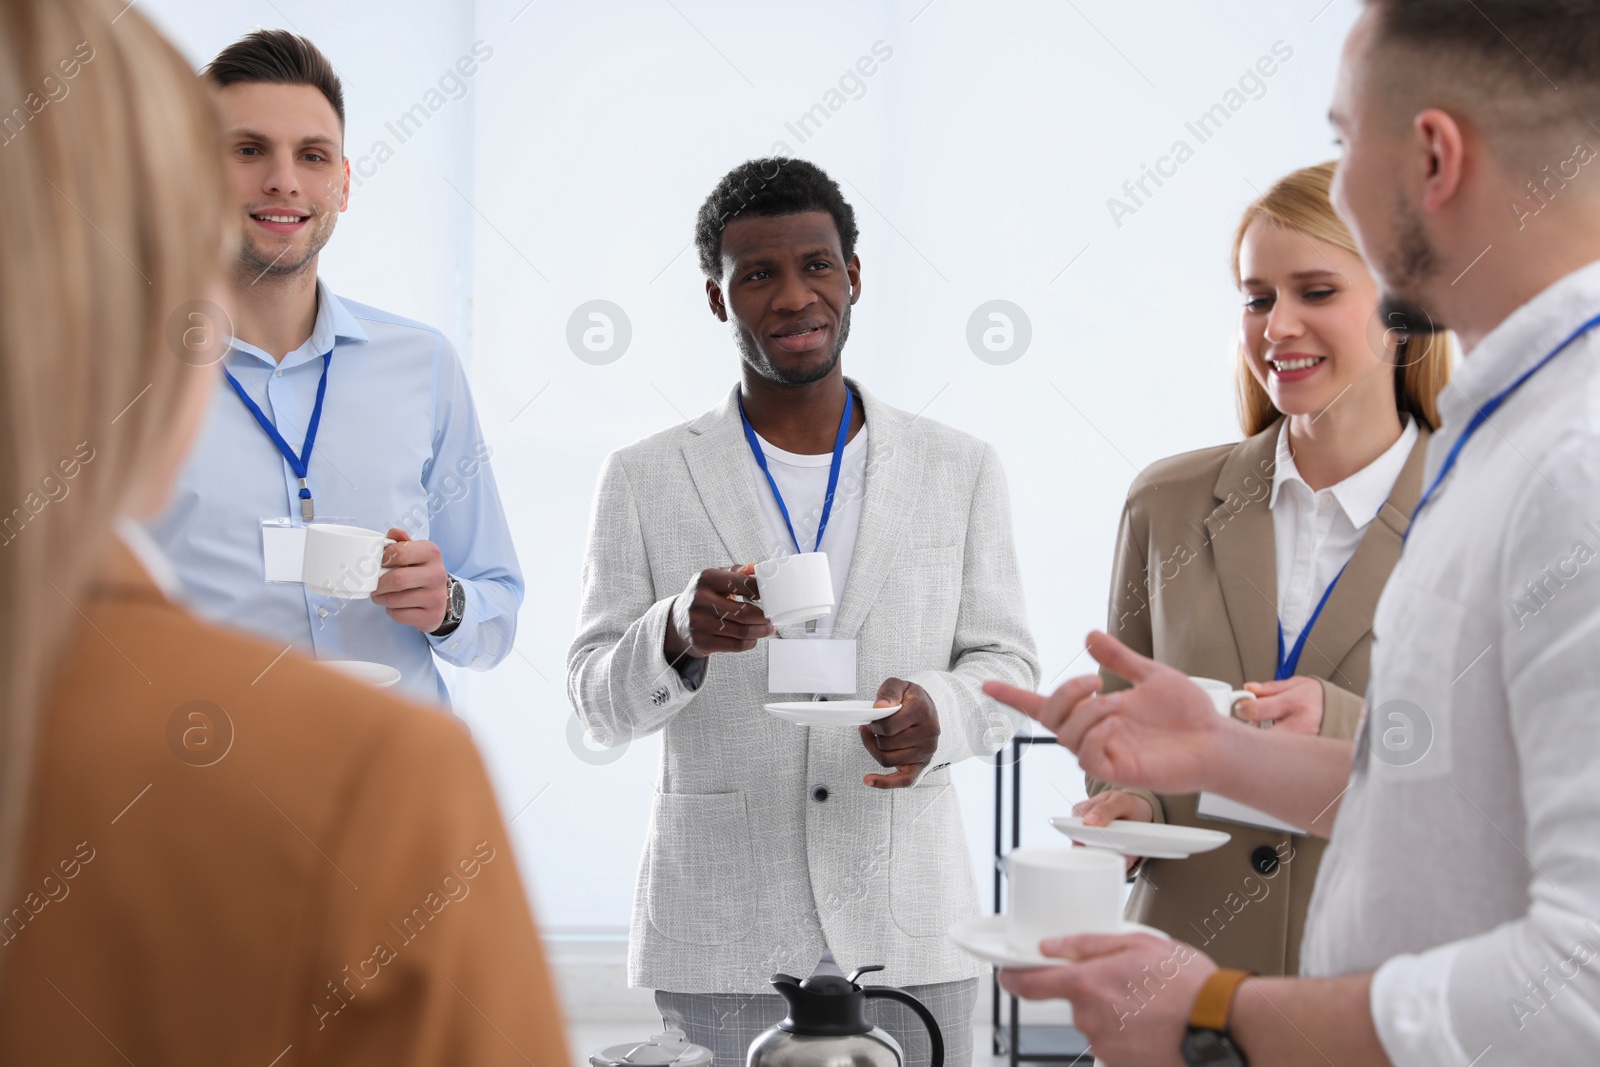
(397,447)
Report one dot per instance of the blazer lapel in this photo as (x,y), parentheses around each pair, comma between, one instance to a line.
(719,464)
(894,478)
(1242,544)
(1348,615)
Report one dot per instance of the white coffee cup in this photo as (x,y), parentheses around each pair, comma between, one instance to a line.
(1055,892)
(795,588)
(1223,696)
(343,561)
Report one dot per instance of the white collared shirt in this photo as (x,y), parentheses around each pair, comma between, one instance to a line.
(1465,863)
(1317,531)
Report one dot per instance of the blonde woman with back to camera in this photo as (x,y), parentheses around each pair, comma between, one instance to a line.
(211,851)
(1260,563)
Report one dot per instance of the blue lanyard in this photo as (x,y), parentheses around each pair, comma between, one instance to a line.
(299,463)
(1489,408)
(1286,666)
(833,469)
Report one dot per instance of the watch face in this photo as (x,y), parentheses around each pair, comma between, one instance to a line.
(1202,1048)
(458,598)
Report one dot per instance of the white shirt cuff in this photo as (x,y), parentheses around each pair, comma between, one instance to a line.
(1410,1002)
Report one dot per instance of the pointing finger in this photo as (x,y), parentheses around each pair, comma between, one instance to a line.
(1118,658)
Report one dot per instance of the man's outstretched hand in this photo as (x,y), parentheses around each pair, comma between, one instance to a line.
(1161,735)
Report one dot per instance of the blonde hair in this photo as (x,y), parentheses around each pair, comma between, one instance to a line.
(1301,201)
(111,221)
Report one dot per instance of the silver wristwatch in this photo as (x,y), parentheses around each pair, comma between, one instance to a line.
(454,608)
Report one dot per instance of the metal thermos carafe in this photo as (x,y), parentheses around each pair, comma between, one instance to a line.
(827,1023)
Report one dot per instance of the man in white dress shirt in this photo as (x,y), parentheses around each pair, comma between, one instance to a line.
(772,841)
(1456,919)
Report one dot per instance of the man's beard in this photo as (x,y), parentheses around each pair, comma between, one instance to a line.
(753,355)
(1412,262)
(254,264)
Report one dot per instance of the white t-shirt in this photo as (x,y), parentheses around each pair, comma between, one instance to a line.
(1316,532)
(803,481)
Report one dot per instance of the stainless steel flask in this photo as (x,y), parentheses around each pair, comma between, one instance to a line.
(827,1023)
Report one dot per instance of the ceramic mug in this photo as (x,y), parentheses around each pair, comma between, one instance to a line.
(795,588)
(1223,696)
(343,561)
(1054,892)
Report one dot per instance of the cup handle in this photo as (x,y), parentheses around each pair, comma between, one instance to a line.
(1236,696)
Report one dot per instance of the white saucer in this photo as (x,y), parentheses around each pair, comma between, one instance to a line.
(830,712)
(1157,840)
(987,937)
(380,675)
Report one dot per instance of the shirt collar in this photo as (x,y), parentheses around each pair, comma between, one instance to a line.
(1360,496)
(334,324)
(1522,339)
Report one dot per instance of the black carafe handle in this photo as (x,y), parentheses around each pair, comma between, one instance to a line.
(880,992)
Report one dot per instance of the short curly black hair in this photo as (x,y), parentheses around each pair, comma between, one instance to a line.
(762,188)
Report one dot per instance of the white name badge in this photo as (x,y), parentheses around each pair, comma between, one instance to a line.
(283,547)
(811,665)
(1213,806)
(283,550)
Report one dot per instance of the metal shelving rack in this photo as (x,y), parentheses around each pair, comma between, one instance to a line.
(1032,1043)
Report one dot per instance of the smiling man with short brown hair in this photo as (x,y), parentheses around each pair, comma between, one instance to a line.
(332,411)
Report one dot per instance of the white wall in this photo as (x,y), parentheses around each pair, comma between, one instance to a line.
(980,158)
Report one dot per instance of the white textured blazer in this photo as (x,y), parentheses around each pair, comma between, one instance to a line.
(746,870)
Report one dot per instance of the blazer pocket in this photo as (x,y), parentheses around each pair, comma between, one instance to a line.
(935,558)
(930,874)
(701,882)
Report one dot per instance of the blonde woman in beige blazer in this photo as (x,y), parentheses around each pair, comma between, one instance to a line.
(1218,548)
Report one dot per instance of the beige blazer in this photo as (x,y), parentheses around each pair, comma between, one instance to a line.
(1195,586)
(235,856)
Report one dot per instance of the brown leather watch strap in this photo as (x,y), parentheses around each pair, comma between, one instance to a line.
(1216,997)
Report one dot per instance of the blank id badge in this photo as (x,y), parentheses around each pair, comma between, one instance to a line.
(283,549)
(811,665)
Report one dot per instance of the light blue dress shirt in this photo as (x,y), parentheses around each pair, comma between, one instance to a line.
(399,445)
